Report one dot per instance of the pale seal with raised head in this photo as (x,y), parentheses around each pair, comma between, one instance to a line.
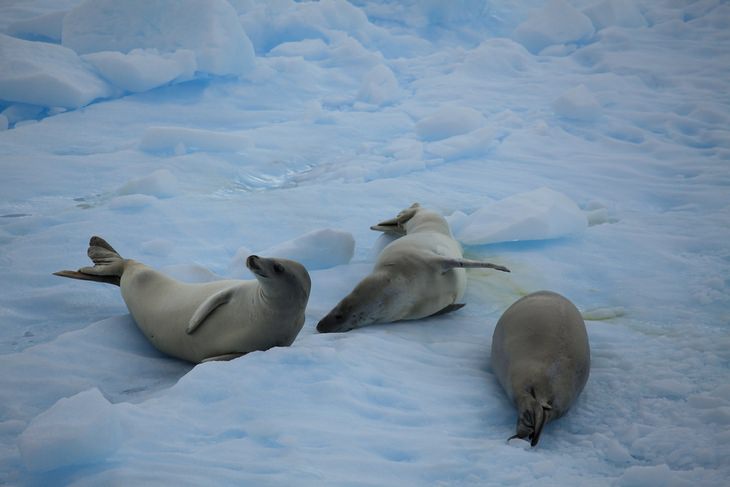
(217,320)
(541,358)
(417,275)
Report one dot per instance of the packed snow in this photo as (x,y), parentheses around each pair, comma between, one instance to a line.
(584,144)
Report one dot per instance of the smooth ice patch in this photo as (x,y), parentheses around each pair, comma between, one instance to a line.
(209,28)
(535,215)
(47,75)
(143,69)
(78,430)
(558,22)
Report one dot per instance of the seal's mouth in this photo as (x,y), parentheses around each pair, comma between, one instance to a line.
(253,262)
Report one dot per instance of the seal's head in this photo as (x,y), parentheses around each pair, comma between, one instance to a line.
(413,219)
(533,414)
(280,277)
(363,306)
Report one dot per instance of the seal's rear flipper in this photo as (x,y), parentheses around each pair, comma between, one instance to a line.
(89,277)
(449,264)
(449,309)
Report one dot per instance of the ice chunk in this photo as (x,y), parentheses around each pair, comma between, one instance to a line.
(209,28)
(535,215)
(47,75)
(449,121)
(179,140)
(319,249)
(496,57)
(143,69)
(557,22)
(78,430)
(46,27)
(379,86)
(160,184)
(19,112)
(4,123)
(620,13)
(578,104)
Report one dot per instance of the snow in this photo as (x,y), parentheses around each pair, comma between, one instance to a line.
(581,143)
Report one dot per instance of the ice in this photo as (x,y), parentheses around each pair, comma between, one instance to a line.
(535,215)
(578,104)
(44,74)
(46,27)
(78,430)
(558,22)
(349,112)
(143,69)
(209,28)
(619,13)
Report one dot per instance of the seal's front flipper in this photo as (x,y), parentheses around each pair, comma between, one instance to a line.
(449,309)
(448,264)
(224,357)
(207,307)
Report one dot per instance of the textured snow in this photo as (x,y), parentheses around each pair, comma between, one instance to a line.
(581,143)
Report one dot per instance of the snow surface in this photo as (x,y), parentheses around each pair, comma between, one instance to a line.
(584,144)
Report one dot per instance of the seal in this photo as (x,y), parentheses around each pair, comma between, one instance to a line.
(417,275)
(217,320)
(541,358)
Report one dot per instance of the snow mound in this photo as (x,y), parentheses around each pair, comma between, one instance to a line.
(46,27)
(209,28)
(160,184)
(78,430)
(318,249)
(143,69)
(496,57)
(449,121)
(577,104)
(48,75)
(557,22)
(379,86)
(619,13)
(179,140)
(534,215)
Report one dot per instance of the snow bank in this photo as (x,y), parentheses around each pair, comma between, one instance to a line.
(209,28)
(48,75)
(449,121)
(557,22)
(535,215)
(319,249)
(78,430)
(143,69)
(179,140)
(379,86)
(619,13)
(472,144)
(578,104)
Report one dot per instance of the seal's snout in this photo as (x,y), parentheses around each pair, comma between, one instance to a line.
(255,265)
(332,323)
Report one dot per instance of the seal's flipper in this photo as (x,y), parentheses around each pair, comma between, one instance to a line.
(449,309)
(207,307)
(396,225)
(89,277)
(448,264)
(224,357)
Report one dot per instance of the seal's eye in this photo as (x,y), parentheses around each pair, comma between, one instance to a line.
(278,268)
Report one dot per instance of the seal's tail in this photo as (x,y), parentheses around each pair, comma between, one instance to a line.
(108,264)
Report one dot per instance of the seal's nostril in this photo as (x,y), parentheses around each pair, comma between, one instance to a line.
(251,261)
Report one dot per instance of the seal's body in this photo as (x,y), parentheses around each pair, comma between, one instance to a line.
(541,357)
(210,321)
(418,275)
